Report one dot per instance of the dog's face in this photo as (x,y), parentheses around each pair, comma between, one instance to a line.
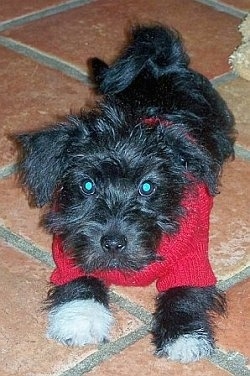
(115,187)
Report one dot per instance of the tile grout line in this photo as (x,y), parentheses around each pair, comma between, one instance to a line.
(223,78)
(219,359)
(35,252)
(132,308)
(72,70)
(231,361)
(26,246)
(40,14)
(236,364)
(233,280)
(242,152)
(49,60)
(136,310)
(8,170)
(45,257)
(223,7)
(39,254)
(72,4)
(106,352)
(146,317)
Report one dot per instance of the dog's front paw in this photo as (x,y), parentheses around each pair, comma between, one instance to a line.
(79,322)
(187,348)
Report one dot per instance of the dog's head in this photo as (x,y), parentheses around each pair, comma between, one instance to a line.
(114,184)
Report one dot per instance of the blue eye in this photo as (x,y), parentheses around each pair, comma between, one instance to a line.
(146,188)
(88,186)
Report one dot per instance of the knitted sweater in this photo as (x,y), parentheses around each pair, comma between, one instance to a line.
(184,260)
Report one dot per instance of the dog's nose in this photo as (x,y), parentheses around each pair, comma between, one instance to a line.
(114,243)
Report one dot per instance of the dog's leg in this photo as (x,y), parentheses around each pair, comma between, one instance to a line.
(182,326)
(79,312)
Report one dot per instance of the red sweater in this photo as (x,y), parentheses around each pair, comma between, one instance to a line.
(185,254)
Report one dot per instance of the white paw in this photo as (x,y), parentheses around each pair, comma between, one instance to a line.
(79,322)
(188,348)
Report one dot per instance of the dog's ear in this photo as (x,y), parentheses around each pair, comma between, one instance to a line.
(97,69)
(43,159)
(199,165)
(195,160)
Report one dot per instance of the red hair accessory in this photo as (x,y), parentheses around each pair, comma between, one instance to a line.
(155,121)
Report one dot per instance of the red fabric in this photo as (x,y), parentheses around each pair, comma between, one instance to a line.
(185,254)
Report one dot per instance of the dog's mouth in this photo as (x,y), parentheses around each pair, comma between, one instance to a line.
(104,253)
(124,264)
(114,264)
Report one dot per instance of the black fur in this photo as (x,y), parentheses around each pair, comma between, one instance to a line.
(184,310)
(80,288)
(112,147)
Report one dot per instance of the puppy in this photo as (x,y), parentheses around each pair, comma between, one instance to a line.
(129,187)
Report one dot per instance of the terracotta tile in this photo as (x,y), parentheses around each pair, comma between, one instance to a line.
(32,96)
(24,348)
(143,296)
(229,235)
(229,246)
(12,9)
(124,323)
(237,95)
(139,360)
(25,351)
(210,36)
(233,332)
(18,216)
(240,4)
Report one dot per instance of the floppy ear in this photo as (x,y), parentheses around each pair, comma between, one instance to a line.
(97,69)
(201,166)
(43,160)
(197,163)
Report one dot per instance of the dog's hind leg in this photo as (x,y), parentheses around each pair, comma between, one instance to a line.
(79,312)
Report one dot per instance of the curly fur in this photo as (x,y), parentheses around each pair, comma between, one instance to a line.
(115,150)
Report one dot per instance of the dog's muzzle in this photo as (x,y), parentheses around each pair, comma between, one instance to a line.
(114,243)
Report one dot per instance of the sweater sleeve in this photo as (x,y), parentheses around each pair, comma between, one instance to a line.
(186,253)
(65,270)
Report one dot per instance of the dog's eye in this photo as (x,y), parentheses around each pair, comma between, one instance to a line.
(184,162)
(88,187)
(146,188)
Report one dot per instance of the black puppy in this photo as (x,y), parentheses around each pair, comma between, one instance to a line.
(129,187)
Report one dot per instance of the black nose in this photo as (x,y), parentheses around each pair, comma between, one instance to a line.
(114,242)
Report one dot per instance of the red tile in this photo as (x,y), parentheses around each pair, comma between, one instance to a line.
(32,96)
(210,36)
(24,347)
(234,331)
(16,8)
(143,296)
(229,235)
(19,217)
(139,360)
(229,232)
(25,351)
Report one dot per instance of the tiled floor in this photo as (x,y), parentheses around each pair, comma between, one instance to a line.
(43,47)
